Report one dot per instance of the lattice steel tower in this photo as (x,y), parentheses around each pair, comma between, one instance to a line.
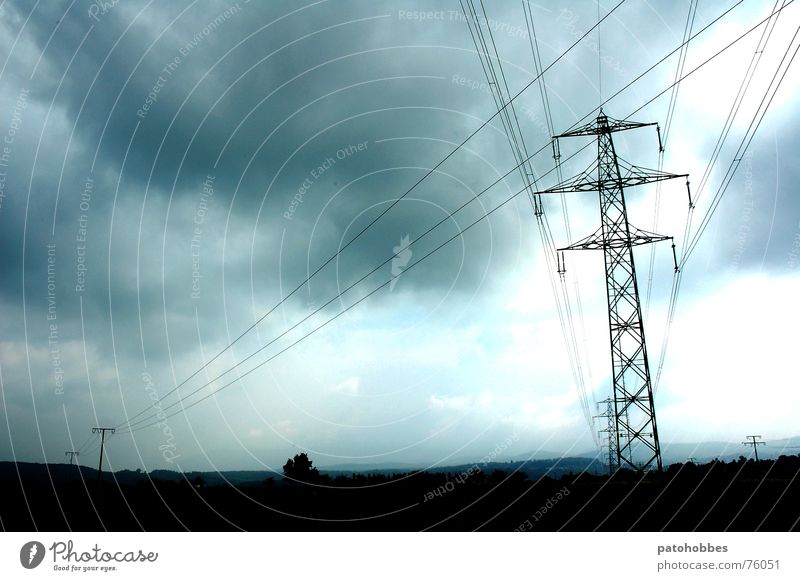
(609,430)
(634,414)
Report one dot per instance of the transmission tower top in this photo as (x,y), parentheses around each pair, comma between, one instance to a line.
(604,124)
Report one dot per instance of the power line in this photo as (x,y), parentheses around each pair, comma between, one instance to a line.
(673,101)
(500,92)
(681,47)
(378,217)
(744,144)
(721,191)
(687,31)
(737,101)
(567,227)
(560,292)
(704,63)
(86,442)
(339,314)
(130,425)
(678,278)
(599,57)
(445,219)
(337,296)
(502,108)
(416,240)
(534,44)
(634,432)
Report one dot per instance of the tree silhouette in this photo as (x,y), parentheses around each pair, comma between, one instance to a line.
(300,468)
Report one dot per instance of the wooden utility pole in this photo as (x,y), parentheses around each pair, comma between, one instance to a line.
(102,432)
(754,443)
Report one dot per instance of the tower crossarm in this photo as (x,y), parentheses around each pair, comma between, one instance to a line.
(634,176)
(603,124)
(595,240)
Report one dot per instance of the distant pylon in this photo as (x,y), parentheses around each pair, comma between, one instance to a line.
(608,415)
(635,429)
(71,454)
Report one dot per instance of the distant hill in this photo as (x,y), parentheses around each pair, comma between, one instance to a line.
(43,473)
(533,469)
(371,468)
(553,466)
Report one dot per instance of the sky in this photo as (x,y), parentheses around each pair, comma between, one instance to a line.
(170,172)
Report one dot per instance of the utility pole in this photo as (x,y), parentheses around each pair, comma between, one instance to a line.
(635,429)
(755,444)
(102,432)
(71,454)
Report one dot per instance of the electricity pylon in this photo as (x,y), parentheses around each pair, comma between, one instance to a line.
(71,454)
(634,413)
(608,415)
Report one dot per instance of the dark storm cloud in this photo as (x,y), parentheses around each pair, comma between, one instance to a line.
(363,110)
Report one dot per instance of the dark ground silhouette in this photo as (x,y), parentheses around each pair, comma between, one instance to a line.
(738,496)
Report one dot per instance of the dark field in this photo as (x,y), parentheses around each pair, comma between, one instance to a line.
(737,496)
